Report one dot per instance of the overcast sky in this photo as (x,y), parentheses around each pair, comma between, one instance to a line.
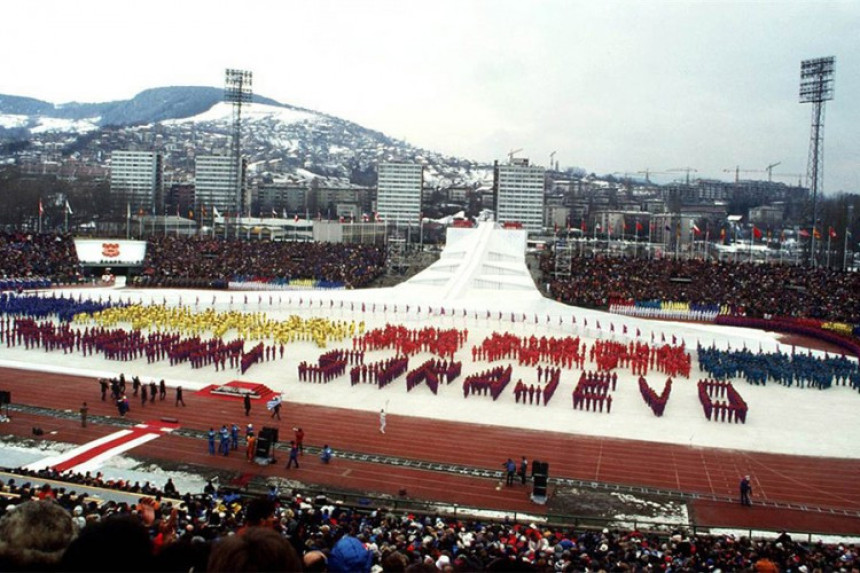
(610,86)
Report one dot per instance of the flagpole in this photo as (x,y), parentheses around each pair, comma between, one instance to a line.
(829,236)
(845,251)
(752,239)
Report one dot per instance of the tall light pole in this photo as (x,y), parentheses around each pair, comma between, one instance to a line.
(816,87)
(237,91)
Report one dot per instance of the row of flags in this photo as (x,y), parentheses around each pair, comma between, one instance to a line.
(67,207)
(696,230)
(757,233)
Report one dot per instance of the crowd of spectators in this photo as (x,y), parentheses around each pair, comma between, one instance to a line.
(25,257)
(754,289)
(210,262)
(49,528)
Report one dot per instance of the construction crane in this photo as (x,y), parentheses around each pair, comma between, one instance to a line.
(511,154)
(684,169)
(799,176)
(552,161)
(769,170)
(647,173)
(737,171)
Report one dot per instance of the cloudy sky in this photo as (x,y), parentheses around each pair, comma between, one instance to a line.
(610,86)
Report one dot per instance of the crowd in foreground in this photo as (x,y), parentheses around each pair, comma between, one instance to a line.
(753,289)
(57,529)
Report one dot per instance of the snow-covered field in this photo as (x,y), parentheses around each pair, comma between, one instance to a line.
(784,420)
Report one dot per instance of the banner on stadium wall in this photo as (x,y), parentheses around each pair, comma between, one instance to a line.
(110,251)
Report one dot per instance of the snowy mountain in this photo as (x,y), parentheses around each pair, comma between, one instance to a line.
(184,122)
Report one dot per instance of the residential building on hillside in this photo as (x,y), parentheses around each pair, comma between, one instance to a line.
(215,183)
(519,194)
(136,182)
(398,192)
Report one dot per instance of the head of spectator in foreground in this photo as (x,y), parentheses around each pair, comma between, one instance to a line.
(258,549)
(349,555)
(119,542)
(260,512)
(34,535)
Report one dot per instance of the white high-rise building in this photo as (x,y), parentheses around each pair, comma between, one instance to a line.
(398,192)
(519,194)
(136,181)
(215,183)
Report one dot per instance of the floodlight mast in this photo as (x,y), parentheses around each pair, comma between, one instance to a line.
(237,91)
(816,87)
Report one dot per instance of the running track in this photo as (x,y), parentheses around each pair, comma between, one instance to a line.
(800,493)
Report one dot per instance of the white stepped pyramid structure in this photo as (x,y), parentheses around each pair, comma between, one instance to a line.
(478,263)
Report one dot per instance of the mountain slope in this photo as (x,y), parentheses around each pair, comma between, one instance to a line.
(186,121)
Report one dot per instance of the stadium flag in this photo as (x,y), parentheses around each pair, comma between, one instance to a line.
(668,228)
(215,212)
(69,208)
(583,226)
(41,208)
(638,226)
(804,233)
(695,228)
(816,233)
(128,210)
(296,218)
(274,213)
(190,214)
(832,233)
(756,232)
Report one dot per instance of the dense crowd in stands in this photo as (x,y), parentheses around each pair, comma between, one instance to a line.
(48,528)
(28,256)
(750,288)
(208,262)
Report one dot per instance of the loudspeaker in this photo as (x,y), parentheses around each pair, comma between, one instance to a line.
(539,486)
(269,433)
(5,397)
(540,475)
(540,468)
(263,447)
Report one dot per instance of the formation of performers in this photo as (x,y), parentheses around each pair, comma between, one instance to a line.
(565,352)
(408,342)
(794,369)
(728,406)
(492,382)
(121,345)
(592,391)
(657,402)
(329,366)
(381,373)
(535,392)
(670,359)
(63,307)
(433,372)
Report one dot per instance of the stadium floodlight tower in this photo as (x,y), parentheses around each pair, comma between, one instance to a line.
(237,91)
(816,87)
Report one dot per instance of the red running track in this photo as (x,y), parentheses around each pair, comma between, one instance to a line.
(825,486)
